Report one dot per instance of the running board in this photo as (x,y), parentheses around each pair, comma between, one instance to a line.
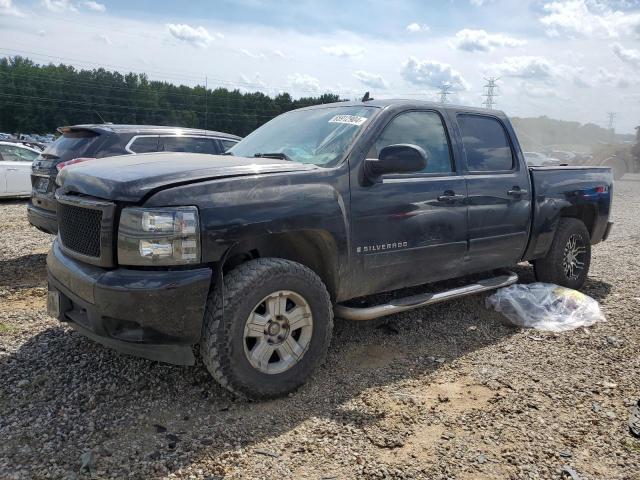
(417,301)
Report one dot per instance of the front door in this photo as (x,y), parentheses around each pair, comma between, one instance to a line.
(499,195)
(410,229)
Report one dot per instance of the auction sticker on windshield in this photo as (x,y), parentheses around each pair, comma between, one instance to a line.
(348,119)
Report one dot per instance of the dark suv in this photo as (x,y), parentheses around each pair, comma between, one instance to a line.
(88,142)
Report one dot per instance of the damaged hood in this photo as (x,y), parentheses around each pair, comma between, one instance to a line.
(129,178)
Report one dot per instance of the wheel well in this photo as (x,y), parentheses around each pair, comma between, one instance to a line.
(314,249)
(585,213)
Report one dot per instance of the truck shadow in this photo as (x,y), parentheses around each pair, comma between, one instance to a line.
(62,390)
(24,272)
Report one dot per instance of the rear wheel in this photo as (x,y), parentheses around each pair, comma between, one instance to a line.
(270,332)
(567,262)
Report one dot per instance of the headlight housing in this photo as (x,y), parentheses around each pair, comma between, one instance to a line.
(159,236)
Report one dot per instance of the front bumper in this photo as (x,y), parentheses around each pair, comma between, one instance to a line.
(44,220)
(152,314)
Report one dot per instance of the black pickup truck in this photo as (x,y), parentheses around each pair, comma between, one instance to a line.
(249,254)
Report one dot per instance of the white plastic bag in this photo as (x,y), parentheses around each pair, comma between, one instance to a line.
(545,306)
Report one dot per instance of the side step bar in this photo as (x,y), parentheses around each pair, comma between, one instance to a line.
(417,301)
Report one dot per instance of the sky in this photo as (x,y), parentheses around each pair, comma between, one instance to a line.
(570,59)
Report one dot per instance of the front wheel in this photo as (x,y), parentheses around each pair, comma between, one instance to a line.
(567,262)
(270,331)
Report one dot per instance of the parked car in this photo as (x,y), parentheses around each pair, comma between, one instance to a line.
(538,159)
(316,207)
(15,169)
(80,143)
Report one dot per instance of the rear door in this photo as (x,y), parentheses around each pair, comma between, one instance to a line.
(16,164)
(499,194)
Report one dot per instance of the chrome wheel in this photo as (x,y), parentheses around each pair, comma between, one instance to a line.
(575,252)
(278,332)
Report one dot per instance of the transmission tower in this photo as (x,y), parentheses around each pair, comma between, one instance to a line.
(444,92)
(490,92)
(612,120)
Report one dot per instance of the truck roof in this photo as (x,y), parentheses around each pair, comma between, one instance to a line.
(409,103)
(145,129)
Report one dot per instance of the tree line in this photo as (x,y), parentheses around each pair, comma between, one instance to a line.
(39,98)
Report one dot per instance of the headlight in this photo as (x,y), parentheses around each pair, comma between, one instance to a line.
(159,236)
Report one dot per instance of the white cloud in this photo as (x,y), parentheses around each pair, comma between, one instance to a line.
(279,53)
(431,73)
(250,54)
(417,27)
(613,79)
(58,5)
(592,18)
(481,41)
(7,8)
(480,3)
(104,39)
(304,83)
(530,67)
(370,79)
(254,83)
(95,6)
(197,36)
(629,56)
(344,51)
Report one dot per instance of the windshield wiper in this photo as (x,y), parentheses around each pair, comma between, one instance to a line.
(277,155)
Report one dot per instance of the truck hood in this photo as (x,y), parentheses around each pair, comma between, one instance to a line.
(129,178)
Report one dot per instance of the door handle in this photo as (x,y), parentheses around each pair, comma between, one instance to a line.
(450,196)
(516,192)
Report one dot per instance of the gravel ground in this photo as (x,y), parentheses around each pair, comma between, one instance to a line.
(448,391)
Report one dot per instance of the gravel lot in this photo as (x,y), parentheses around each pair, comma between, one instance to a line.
(448,391)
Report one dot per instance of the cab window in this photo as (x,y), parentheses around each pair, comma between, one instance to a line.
(485,143)
(424,129)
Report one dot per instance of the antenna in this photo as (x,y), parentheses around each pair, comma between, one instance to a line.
(444,92)
(490,93)
(99,116)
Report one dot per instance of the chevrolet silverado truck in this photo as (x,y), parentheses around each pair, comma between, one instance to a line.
(250,254)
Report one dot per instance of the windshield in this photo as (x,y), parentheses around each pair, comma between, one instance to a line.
(320,136)
(71,145)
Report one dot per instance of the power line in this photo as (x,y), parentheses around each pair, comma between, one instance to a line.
(490,92)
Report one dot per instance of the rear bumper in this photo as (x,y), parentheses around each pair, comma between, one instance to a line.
(152,314)
(42,219)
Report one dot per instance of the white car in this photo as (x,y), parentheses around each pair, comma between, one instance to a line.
(15,169)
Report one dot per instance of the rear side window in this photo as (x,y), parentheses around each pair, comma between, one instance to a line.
(485,143)
(227,144)
(424,129)
(144,145)
(73,145)
(190,144)
(9,153)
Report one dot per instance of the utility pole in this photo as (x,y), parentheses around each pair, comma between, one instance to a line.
(444,92)
(206,106)
(490,92)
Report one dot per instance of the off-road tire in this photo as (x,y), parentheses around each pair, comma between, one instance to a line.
(221,345)
(550,269)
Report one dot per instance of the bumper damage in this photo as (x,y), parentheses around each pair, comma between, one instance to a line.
(152,314)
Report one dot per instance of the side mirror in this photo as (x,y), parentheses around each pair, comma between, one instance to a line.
(401,158)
